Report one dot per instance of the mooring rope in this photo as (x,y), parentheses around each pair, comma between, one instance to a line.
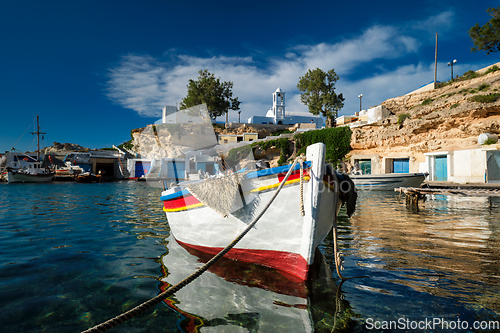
(302,212)
(172,290)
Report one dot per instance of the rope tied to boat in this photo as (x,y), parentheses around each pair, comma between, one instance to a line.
(302,159)
(173,289)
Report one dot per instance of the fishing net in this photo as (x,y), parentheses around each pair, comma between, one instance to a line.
(227,190)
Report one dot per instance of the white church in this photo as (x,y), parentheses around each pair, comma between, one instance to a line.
(276,115)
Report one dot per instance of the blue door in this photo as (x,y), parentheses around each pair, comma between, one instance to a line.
(441,168)
(401,165)
(141,168)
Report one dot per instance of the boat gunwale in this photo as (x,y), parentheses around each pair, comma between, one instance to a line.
(177,192)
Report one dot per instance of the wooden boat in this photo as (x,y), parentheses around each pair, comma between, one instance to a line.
(35,175)
(387,182)
(283,239)
(68,172)
(87,177)
(29,169)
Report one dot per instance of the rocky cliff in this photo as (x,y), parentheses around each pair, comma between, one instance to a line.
(450,117)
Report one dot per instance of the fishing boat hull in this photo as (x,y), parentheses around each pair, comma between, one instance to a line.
(387,182)
(283,239)
(19,177)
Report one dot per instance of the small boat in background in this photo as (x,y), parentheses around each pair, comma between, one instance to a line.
(387,182)
(87,177)
(68,172)
(25,168)
(36,174)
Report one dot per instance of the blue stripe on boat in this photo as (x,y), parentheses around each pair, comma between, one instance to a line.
(275,171)
(251,175)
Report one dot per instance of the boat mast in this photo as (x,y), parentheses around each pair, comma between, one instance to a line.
(37,139)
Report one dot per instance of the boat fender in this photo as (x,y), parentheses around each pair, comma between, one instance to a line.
(347,190)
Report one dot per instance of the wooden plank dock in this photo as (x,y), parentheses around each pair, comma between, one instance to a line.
(414,194)
(484,192)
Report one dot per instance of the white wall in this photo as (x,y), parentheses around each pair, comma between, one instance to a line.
(468,166)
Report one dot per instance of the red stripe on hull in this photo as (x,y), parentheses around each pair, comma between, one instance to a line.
(294,175)
(291,265)
(180,202)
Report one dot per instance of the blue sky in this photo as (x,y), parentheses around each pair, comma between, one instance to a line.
(94,70)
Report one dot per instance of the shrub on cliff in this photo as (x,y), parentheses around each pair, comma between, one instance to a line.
(336,139)
(402,117)
(282,144)
(490,98)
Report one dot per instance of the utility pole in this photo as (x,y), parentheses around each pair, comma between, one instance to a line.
(435,62)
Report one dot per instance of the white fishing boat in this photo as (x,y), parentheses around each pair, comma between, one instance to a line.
(387,182)
(209,214)
(26,168)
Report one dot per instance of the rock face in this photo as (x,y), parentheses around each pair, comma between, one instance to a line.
(441,119)
(63,147)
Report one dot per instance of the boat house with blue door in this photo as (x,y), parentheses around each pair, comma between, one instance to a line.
(480,165)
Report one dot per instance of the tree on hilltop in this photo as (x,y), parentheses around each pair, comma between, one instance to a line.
(319,94)
(487,37)
(217,95)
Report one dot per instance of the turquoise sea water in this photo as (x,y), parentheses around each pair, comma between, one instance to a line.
(74,255)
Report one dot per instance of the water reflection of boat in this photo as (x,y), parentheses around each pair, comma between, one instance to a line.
(387,182)
(235,296)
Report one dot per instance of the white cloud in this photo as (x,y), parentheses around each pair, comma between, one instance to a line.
(144,84)
(441,22)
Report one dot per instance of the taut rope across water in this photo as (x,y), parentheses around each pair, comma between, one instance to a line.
(169,292)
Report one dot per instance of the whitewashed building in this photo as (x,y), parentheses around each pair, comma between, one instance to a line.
(277,115)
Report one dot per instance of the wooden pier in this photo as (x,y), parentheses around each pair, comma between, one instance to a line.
(413,194)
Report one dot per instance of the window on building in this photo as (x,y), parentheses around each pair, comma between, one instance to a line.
(365,166)
(239,139)
(225,140)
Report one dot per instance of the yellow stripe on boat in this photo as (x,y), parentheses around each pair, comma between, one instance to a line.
(269,187)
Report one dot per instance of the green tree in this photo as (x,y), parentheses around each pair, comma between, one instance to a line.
(217,95)
(487,37)
(319,94)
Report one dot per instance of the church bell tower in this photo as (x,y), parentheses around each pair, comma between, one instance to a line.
(279,105)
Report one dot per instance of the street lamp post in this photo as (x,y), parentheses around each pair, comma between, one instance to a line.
(239,119)
(451,63)
(360,95)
